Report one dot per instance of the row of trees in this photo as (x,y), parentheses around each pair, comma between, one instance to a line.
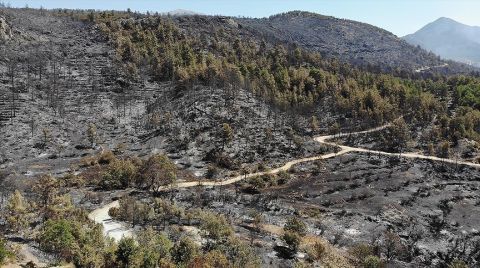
(161,213)
(157,250)
(84,245)
(110,172)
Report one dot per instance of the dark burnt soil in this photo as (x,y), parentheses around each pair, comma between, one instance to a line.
(359,197)
(66,78)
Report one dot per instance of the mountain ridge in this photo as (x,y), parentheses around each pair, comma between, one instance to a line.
(450,39)
(356,42)
(182,12)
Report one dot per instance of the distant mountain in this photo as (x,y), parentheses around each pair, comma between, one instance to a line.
(449,39)
(182,12)
(355,42)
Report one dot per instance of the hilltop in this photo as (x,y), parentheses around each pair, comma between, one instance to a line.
(450,40)
(358,43)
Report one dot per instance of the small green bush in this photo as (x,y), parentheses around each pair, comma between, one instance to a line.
(4,253)
(458,264)
(106,158)
(58,237)
(292,239)
(184,251)
(120,174)
(372,262)
(294,224)
(127,249)
(360,252)
(316,251)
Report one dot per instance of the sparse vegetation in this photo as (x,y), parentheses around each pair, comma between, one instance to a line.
(164,119)
(372,262)
(4,252)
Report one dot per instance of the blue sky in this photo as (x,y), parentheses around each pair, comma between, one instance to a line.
(398,16)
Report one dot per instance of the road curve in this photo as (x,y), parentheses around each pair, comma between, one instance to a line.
(111,228)
(325,140)
(117,230)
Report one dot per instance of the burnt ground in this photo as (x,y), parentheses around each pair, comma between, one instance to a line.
(360,196)
(348,40)
(419,139)
(65,78)
(348,199)
(353,199)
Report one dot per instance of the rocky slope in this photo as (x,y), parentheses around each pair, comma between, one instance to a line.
(65,78)
(359,43)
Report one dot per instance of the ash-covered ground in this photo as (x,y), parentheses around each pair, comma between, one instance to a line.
(59,76)
(432,206)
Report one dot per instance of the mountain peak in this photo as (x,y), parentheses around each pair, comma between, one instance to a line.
(450,39)
(445,19)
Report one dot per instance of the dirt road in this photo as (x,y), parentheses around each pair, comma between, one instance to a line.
(117,230)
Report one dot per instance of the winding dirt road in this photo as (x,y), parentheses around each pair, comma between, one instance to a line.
(111,228)
(117,230)
(346,149)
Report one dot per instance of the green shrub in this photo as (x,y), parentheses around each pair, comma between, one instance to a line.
(184,251)
(283,177)
(269,179)
(4,252)
(256,182)
(127,249)
(154,246)
(316,251)
(458,264)
(58,237)
(212,259)
(88,161)
(262,167)
(120,174)
(216,226)
(239,253)
(106,158)
(372,262)
(294,224)
(114,212)
(72,180)
(212,172)
(292,239)
(80,242)
(157,171)
(361,251)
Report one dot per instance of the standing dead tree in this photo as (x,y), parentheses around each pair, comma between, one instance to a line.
(12,66)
